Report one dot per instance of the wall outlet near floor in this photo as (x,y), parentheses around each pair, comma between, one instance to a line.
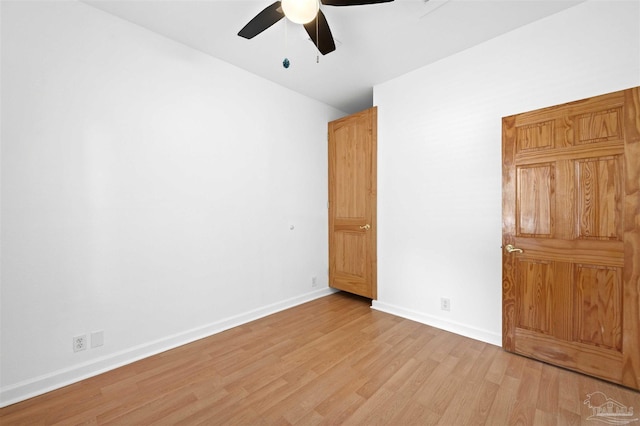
(80,343)
(314,281)
(445,304)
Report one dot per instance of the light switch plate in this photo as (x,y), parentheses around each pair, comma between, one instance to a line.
(97,339)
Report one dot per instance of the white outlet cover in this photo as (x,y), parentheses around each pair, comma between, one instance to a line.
(445,304)
(80,343)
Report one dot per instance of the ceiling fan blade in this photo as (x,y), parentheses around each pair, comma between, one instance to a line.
(352,2)
(263,20)
(321,34)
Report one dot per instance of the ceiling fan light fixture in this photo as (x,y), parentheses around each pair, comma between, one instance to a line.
(300,11)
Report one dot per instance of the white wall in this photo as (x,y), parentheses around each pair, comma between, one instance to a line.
(147,191)
(439,158)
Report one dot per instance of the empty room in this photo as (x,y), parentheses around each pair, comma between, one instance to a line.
(409,212)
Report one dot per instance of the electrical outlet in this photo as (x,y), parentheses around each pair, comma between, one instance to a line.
(445,304)
(314,281)
(80,343)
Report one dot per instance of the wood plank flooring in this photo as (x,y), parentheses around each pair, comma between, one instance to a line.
(330,361)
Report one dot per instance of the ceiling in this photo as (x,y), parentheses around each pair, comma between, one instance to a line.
(374,43)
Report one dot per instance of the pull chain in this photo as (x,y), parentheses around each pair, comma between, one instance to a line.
(285,62)
(317,37)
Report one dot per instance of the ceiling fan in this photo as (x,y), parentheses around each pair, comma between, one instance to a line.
(306,12)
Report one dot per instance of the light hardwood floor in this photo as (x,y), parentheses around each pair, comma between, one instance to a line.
(330,361)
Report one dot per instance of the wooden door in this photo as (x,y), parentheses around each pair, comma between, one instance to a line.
(352,203)
(571,212)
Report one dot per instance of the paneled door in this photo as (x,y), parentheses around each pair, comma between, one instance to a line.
(352,203)
(571,235)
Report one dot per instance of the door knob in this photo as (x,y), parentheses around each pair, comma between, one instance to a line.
(512,249)
(365,227)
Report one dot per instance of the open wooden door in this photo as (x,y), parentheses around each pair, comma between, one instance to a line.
(571,235)
(352,203)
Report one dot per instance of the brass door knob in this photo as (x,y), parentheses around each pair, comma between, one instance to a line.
(512,249)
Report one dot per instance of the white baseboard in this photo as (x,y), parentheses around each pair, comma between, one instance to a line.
(438,322)
(57,379)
